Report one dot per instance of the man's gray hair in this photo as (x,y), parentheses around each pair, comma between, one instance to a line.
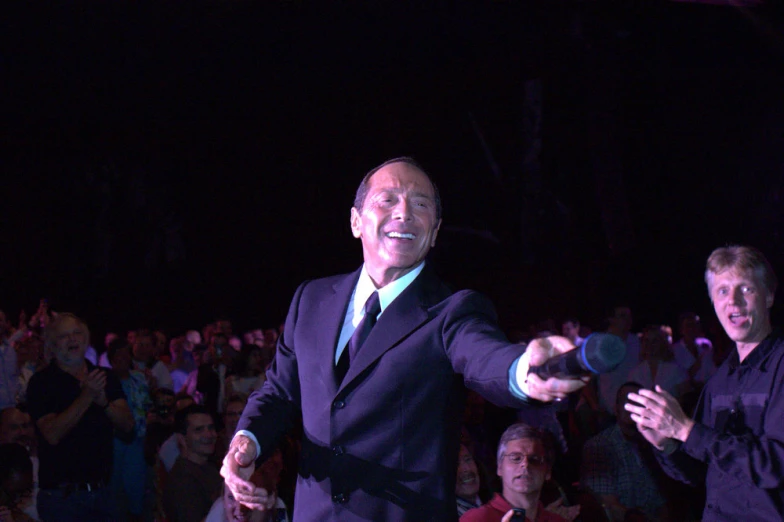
(524,431)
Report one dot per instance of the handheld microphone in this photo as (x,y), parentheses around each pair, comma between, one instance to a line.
(599,353)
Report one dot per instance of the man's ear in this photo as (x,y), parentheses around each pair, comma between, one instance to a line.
(769,299)
(181,445)
(356,223)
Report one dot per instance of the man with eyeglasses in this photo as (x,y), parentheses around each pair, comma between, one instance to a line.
(525,459)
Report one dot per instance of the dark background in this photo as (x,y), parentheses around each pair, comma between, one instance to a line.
(167,163)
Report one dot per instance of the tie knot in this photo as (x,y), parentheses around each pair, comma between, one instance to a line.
(372,306)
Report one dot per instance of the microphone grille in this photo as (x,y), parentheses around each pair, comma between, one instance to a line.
(604,352)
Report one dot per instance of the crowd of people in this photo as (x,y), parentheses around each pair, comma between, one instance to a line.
(147,420)
(130,429)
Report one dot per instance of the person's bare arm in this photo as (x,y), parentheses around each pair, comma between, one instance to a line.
(120,414)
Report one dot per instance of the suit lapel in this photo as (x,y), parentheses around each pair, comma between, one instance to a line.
(403,316)
(333,309)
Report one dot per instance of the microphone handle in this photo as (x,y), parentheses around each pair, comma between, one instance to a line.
(565,365)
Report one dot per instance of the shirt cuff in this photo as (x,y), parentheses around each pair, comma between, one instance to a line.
(518,377)
(252,437)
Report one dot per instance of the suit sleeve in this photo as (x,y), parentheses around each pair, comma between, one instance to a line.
(271,409)
(478,349)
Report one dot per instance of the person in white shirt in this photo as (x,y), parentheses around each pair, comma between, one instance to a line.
(692,352)
(619,323)
(658,366)
(144,359)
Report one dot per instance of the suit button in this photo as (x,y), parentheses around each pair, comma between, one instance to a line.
(337,450)
(339,405)
(340,498)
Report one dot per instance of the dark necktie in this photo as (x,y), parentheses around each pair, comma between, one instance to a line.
(372,308)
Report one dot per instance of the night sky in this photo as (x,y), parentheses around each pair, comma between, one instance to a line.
(168,164)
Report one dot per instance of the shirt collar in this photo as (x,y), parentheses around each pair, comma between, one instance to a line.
(759,354)
(387,294)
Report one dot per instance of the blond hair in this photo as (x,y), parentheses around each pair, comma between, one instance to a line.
(742,258)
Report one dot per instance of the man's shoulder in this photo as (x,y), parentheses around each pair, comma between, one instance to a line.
(45,377)
(491,511)
(483,513)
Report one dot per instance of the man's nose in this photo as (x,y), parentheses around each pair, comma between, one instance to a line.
(737,296)
(403,210)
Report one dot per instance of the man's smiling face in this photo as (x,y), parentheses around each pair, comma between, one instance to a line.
(397,222)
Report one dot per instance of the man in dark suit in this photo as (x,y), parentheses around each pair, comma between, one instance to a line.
(375,361)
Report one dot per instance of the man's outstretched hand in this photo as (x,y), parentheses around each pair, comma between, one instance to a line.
(538,352)
(238,466)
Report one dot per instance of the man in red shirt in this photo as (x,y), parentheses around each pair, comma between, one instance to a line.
(525,460)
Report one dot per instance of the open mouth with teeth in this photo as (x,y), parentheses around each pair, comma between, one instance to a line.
(468,478)
(72,348)
(739,319)
(401,235)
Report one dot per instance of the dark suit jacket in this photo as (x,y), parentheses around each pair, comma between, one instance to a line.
(383,444)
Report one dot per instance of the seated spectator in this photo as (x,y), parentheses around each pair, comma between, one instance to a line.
(619,469)
(9,369)
(144,360)
(570,328)
(30,358)
(471,489)
(231,416)
(248,372)
(163,407)
(16,482)
(657,365)
(194,482)
(103,360)
(181,363)
(161,351)
(170,449)
(202,384)
(693,352)
(16,427)
(525,460)
(227,509)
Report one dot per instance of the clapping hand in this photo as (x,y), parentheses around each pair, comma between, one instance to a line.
(95,385)
(659,417)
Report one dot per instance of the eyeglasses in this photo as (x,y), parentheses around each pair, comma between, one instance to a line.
(517,459)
